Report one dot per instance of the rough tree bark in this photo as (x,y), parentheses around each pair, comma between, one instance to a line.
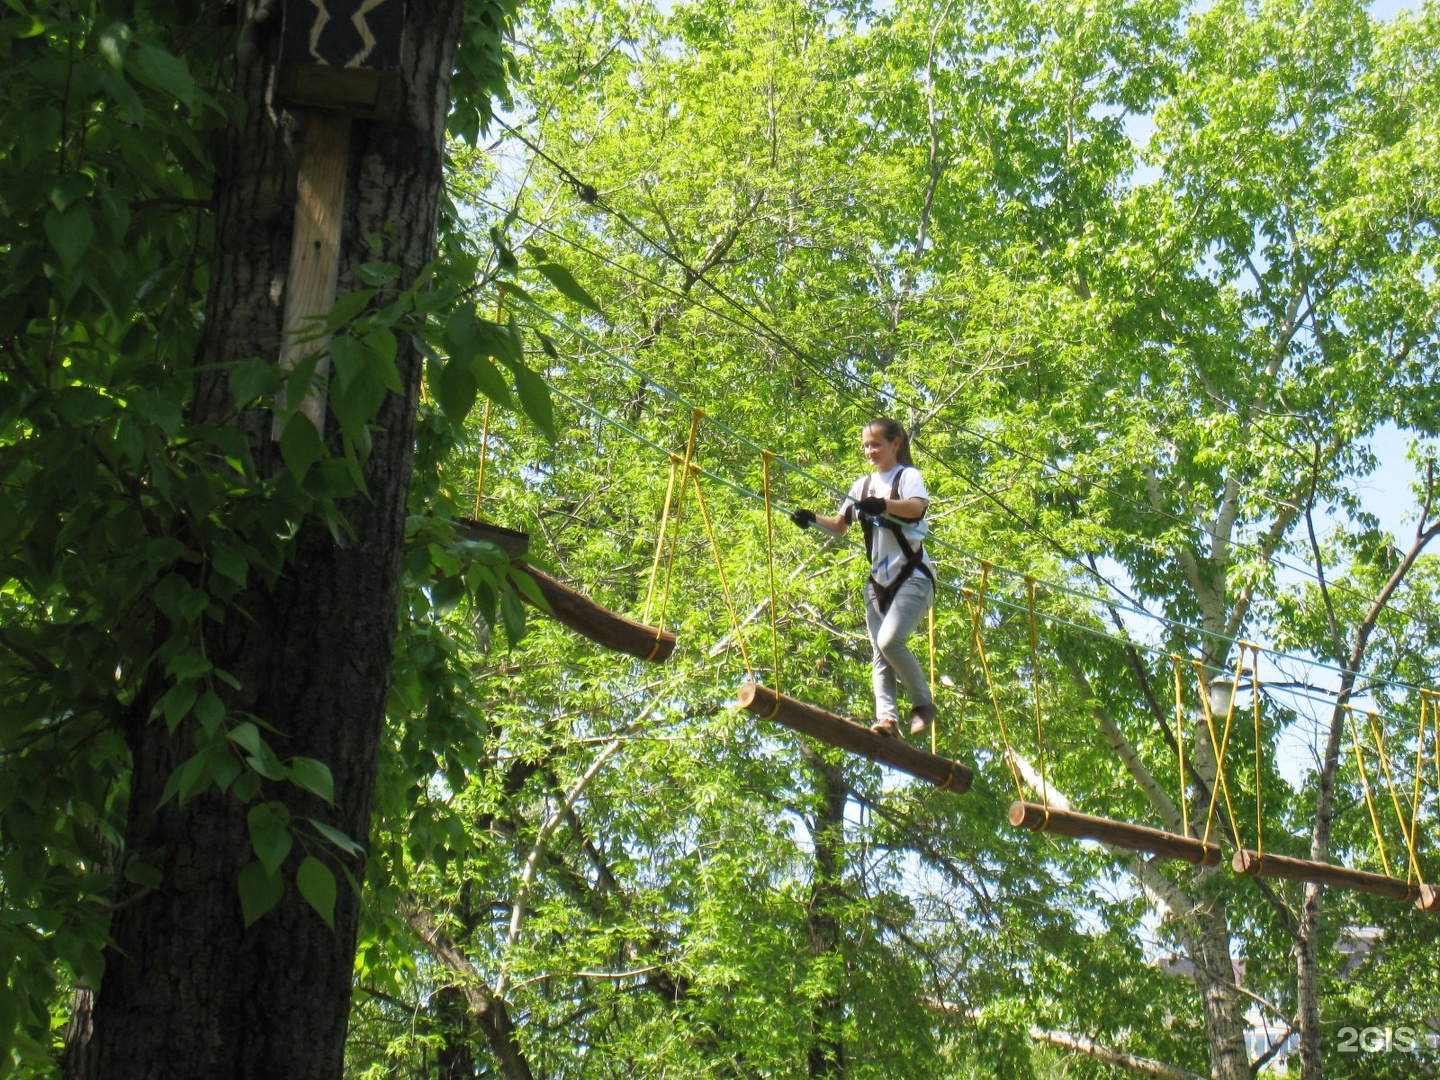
(188,990)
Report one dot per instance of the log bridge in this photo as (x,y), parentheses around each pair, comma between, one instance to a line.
(571,608)
(856,738)
(1120,834)
(1257,864)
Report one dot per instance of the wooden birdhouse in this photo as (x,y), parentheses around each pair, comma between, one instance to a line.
(340,56)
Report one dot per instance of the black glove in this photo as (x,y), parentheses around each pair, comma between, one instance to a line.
(803,518)
(873,506)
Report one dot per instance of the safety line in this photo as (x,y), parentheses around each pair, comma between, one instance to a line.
(938,543)
(778,338)
(999,601)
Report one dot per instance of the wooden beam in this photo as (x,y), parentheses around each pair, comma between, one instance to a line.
(848,735)
(514,543)
(314,259)
(599,624)
(1429,899)
(1254,864)
(1121,834)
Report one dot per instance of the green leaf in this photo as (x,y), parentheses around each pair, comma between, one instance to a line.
(529,588)
(142,873)
(176,703)
(165,72)
(490,381)
(565,281)
(350,359)
(230,562)
(300,446)
(346,308)
(252,379)
(266,765)
(535,399)
(317,886)
(456,390)
(259,891)
(336,837)
(312,775)
(70,232)
(512,614)
(246,736)
(210,711)
(188,665)
(269,825)
(377,273)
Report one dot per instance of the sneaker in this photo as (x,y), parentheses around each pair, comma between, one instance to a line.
(920,717)
(890,729)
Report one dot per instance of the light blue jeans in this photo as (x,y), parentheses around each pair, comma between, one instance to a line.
(892,658)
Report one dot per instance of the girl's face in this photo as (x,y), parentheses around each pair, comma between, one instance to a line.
(881,452)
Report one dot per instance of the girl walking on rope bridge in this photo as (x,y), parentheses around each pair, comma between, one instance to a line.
(890,504)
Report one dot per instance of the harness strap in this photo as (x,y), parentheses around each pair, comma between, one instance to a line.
(914,557)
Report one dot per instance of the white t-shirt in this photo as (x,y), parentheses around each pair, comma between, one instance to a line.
(888,558)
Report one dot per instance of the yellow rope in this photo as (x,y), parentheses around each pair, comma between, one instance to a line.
(485,423)
(1218,748)
(1379,736)
(1035,685)
(484,444)
(724,585)
(765,457)
(660,537)
(1419,773)
(934,687)
(977,611)
(695,418)
(1259,778)
(1177,663)
(1365,786)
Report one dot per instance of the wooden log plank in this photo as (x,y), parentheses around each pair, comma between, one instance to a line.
(599,624)
(514,543)
(848,735)
(1254,864)
(1121,834)
(1429,899)
(314,259)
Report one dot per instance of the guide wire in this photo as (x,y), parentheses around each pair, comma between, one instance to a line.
(754,324)
(937,542)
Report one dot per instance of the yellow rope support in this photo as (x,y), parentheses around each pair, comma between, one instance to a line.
(1259,776)
(720,568)
(660,537)
(1218,748)
(695,417)
(1035,686)
(485,423)
(977,612)
(1419,772)
(765,457)
(1177,663)
(1365,786)
(484,445)
(934,725)
(1379,736)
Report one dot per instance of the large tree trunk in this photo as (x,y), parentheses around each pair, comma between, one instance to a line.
(827,896)
(188,990)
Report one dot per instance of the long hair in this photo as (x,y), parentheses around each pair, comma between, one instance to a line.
(892,429)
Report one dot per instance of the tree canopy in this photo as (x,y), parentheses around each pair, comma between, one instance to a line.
(1145,281)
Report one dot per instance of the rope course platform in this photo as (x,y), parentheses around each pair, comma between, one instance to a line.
(1121,834)
(1256,864)
(575,609)
(857,739)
